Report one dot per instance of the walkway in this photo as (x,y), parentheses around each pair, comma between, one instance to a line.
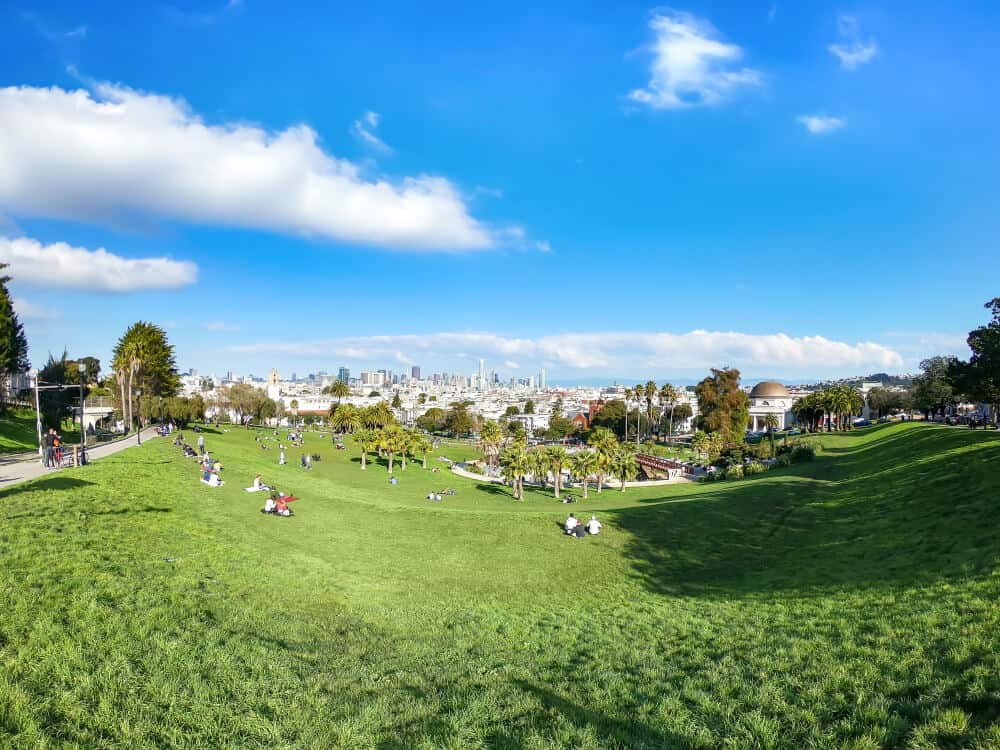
(24,471)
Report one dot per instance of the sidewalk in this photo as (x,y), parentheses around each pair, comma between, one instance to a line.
(24,471)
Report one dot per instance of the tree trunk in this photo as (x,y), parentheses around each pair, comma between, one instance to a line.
(425,459)
(670,437)
(556,484)
(402,461)
(391,457)
(600,483)
(364,460)
(623,482)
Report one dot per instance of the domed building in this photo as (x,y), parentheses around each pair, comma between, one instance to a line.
(770,397)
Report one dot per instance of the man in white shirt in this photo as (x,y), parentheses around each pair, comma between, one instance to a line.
(594,526)
(571,523)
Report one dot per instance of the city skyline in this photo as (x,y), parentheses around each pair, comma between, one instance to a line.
(604,192)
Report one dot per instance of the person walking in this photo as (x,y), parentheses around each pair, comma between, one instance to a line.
(48,445)
(201,444)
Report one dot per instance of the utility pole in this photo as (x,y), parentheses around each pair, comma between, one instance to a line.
(83,410)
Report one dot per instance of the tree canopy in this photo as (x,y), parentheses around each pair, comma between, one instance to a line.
(723,406)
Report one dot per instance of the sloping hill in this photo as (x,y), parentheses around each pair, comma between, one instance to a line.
(851,602)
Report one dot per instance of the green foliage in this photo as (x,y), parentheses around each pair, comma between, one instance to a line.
(13,342)
(432,420)
(979,378)
(724,407)
(754,467)
(511,411)
(933,389)
(734,472)
(529,407)
(397,402)
(801,453)
(829,605)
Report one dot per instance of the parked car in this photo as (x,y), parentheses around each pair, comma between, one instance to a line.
(861,422)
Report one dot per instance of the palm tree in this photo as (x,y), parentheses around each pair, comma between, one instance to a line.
(382,414)
(393,441)
(771,424)
(700,443)
(638,393)
(538,466)
(583,464)
(491,441)
(669,395)
(421,444)
(558,458)
(347,418)
(625,466)
(339,389)
(367,440)
(514,464)
(604,443)
(649,393)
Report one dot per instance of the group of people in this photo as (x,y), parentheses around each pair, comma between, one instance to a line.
(574,527)
(277,504)
(438,496)
(52,445)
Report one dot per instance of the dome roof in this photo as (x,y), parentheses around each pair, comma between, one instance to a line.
(769,389)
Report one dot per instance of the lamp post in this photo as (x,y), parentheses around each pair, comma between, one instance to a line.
(38,416)
(138,432)
(82,367)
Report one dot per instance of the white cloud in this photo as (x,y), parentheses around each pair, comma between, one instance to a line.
(27,310)
(511,364)
(103,156)
(219,325)
(851,51)
(79,31)
(365,130)
(691,65)
(819,124)
(66,267)
(543,246)
(205,18)
(614,352)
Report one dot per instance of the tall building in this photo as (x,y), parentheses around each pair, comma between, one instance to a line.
(344,375)
(482,375)
(415,372)
(541,379)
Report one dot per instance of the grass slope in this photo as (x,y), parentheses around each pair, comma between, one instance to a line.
(851,602)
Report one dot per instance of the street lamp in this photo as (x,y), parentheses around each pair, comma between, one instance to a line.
(38,415)
(138,432)
(82,368)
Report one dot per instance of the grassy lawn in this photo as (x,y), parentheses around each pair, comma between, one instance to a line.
(18,433)
(851,602)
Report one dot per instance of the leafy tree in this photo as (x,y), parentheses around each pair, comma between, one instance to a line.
(512,411)
(583,465)
(885,400)
(422,399)
(13,342)
(724,407)
(933,389)
(979,378)
(432,420)
(771,424)
(374,394)
(700,443)
(538,465)
(421,444)
(143,360)
(55,405)
(529,407)
(649,392)
(611,416)
(397,403)
(559,428)
(459,421)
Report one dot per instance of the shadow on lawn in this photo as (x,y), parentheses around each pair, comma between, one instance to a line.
(53,483)
(909,514)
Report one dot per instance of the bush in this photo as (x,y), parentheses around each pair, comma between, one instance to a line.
(801,453)
(754,467)
(783,459)
(735,471)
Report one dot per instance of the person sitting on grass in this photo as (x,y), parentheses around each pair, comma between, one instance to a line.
(580,531)
(271,505)
(571,523)
(258,485)
(593,526)
(281,506)
(212,479)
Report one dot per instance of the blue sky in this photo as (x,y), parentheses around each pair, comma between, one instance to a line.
(607,190)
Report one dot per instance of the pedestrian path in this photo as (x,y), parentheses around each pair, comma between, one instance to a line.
(24,471)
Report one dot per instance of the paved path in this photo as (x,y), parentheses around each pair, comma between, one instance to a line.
(24,471)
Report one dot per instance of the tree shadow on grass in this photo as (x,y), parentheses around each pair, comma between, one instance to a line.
(53,483)
(900,518)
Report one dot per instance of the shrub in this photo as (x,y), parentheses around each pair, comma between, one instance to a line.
(783,459)
(754,467)
(802,453)
(735,471)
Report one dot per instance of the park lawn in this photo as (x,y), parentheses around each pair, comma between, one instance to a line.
(18,433)
(848,602)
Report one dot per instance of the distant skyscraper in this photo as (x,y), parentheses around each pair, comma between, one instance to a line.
(482,374)
(415,372)
(344,375)
(541,379)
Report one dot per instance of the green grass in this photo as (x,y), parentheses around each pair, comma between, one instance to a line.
(846,603)
(18,433)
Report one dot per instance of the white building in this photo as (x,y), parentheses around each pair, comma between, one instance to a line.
(770,397)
